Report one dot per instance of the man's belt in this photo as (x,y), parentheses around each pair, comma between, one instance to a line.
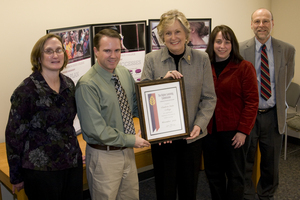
(106,147)
(261,111)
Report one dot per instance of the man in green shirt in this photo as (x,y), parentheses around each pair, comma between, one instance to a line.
(110,160)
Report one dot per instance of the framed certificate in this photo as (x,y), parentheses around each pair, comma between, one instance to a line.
(162,110)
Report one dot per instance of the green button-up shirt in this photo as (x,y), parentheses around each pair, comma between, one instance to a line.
(98,106)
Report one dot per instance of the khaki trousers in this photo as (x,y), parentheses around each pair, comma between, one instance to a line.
(112,174)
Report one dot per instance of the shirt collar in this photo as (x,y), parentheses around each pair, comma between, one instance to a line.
(258,44)
(187,55)
(41,84)
(104,73)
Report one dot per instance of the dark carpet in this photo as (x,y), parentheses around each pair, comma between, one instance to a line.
(289,180)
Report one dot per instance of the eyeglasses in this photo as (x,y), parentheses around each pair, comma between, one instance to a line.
(51,52)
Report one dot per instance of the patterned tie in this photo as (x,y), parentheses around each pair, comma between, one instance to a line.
(124,106)
(265,89)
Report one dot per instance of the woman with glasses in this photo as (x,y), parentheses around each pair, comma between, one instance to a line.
(43,153)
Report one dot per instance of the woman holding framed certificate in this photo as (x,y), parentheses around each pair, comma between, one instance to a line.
(177,163)
(234,117)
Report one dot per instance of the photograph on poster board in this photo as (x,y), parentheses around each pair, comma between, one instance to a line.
(162,110)
(200,31)
(77,43)
(133,44)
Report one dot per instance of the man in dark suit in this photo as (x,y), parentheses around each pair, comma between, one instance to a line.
(277,65)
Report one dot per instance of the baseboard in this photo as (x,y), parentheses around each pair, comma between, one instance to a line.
(146,175)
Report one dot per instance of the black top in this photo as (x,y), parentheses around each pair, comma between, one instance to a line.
(220,66)
(176,58)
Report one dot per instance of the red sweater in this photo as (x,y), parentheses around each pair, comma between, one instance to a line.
(237,98)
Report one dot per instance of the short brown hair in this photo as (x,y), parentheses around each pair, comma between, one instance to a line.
(168,19)
(105,32)
(228,34)
(38,49)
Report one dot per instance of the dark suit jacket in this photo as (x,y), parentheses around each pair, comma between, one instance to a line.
(284,61)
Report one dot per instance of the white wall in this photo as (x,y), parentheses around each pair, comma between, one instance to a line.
(286,26)
(24,22)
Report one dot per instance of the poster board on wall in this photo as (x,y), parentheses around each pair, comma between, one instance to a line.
(77,43)
(200,31)
(133,42)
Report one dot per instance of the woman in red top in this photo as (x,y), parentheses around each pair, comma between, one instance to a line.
(234,116)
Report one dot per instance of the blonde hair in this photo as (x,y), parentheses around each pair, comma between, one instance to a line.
(168,18)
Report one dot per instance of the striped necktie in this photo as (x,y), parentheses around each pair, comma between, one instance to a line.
(124,106)
(265,89)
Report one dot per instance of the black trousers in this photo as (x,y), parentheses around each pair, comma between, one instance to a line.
(265,131)
(176,169)
(49,185)
(224,166)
